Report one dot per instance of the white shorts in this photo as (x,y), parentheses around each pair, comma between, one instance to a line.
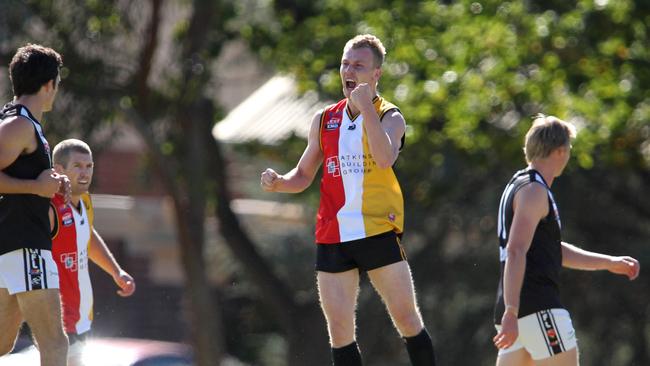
(28,269)
(544,334)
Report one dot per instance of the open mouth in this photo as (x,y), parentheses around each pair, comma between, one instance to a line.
(350,84)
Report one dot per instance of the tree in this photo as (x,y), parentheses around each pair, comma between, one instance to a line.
(120,66)
(467,75)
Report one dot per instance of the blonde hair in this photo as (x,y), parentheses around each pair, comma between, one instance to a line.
(62,150)
(371,42)
(547,134)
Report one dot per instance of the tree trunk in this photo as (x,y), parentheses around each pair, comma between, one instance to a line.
(304,324)
(204,315)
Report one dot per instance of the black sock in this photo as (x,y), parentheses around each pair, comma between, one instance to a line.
(420,349)
(347,356)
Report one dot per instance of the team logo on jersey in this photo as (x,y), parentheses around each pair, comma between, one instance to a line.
(332,124)
(34,269)
(69,261)
(352,127)
(67,219)
(391,217)
(333,166)
(551,333)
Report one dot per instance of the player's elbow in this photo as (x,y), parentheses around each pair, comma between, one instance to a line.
(385,162)
(297,184)
(515,252)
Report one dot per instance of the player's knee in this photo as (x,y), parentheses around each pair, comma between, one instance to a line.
(7,343)
(54,344)
(341,332)
(408,322)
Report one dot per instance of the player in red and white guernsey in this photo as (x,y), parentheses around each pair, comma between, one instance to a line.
(361,215)
(75,240)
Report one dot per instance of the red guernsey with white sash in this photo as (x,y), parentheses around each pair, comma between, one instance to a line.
(70,241)
(358,199)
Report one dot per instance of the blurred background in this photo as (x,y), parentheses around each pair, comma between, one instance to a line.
(185,103)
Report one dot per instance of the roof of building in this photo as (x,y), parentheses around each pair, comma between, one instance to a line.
(270,115)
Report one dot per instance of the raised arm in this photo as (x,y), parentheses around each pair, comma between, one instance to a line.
(300,177)
(99,253)
(576,258)
(384,136)
(530,206)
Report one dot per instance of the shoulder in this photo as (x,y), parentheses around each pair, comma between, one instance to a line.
(393,115)
(389,114)
(386,108)
(532,198)
(87,200)
(532,191)
(16,126)
(316,121)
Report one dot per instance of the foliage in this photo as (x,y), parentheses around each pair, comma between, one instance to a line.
(468,75)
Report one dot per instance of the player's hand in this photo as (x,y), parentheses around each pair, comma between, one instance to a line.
(126,284)
(269,180)
(362,96)
(509,331)
(48,183)
(626,266)
(65,187)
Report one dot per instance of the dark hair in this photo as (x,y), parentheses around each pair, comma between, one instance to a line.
(33,66)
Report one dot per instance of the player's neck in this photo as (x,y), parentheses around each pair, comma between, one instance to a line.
(33,102)
(75,200)
(353,109)
(546,169)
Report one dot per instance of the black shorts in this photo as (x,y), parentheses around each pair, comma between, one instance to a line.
(365,254)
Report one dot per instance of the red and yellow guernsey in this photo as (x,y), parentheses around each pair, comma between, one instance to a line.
(358,199)
(70,241)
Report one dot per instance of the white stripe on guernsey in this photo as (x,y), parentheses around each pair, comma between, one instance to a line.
(82,227)
(502,212)
(38,128)
(351,225)
(539,179)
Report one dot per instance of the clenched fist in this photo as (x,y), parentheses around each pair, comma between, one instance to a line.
(269,180)
(49,182)
(362,96)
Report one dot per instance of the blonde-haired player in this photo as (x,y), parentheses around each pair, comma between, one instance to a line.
(75,241)
(533,326)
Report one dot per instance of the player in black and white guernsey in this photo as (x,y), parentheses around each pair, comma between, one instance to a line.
(29,279)
(533,326)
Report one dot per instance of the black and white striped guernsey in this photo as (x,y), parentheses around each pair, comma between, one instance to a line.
(24,221)
(540,288)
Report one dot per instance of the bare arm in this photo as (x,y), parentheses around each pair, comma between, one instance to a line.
(17,137)
(384,137)
(576,258)
(99,253)
(300,177)
(530,206)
